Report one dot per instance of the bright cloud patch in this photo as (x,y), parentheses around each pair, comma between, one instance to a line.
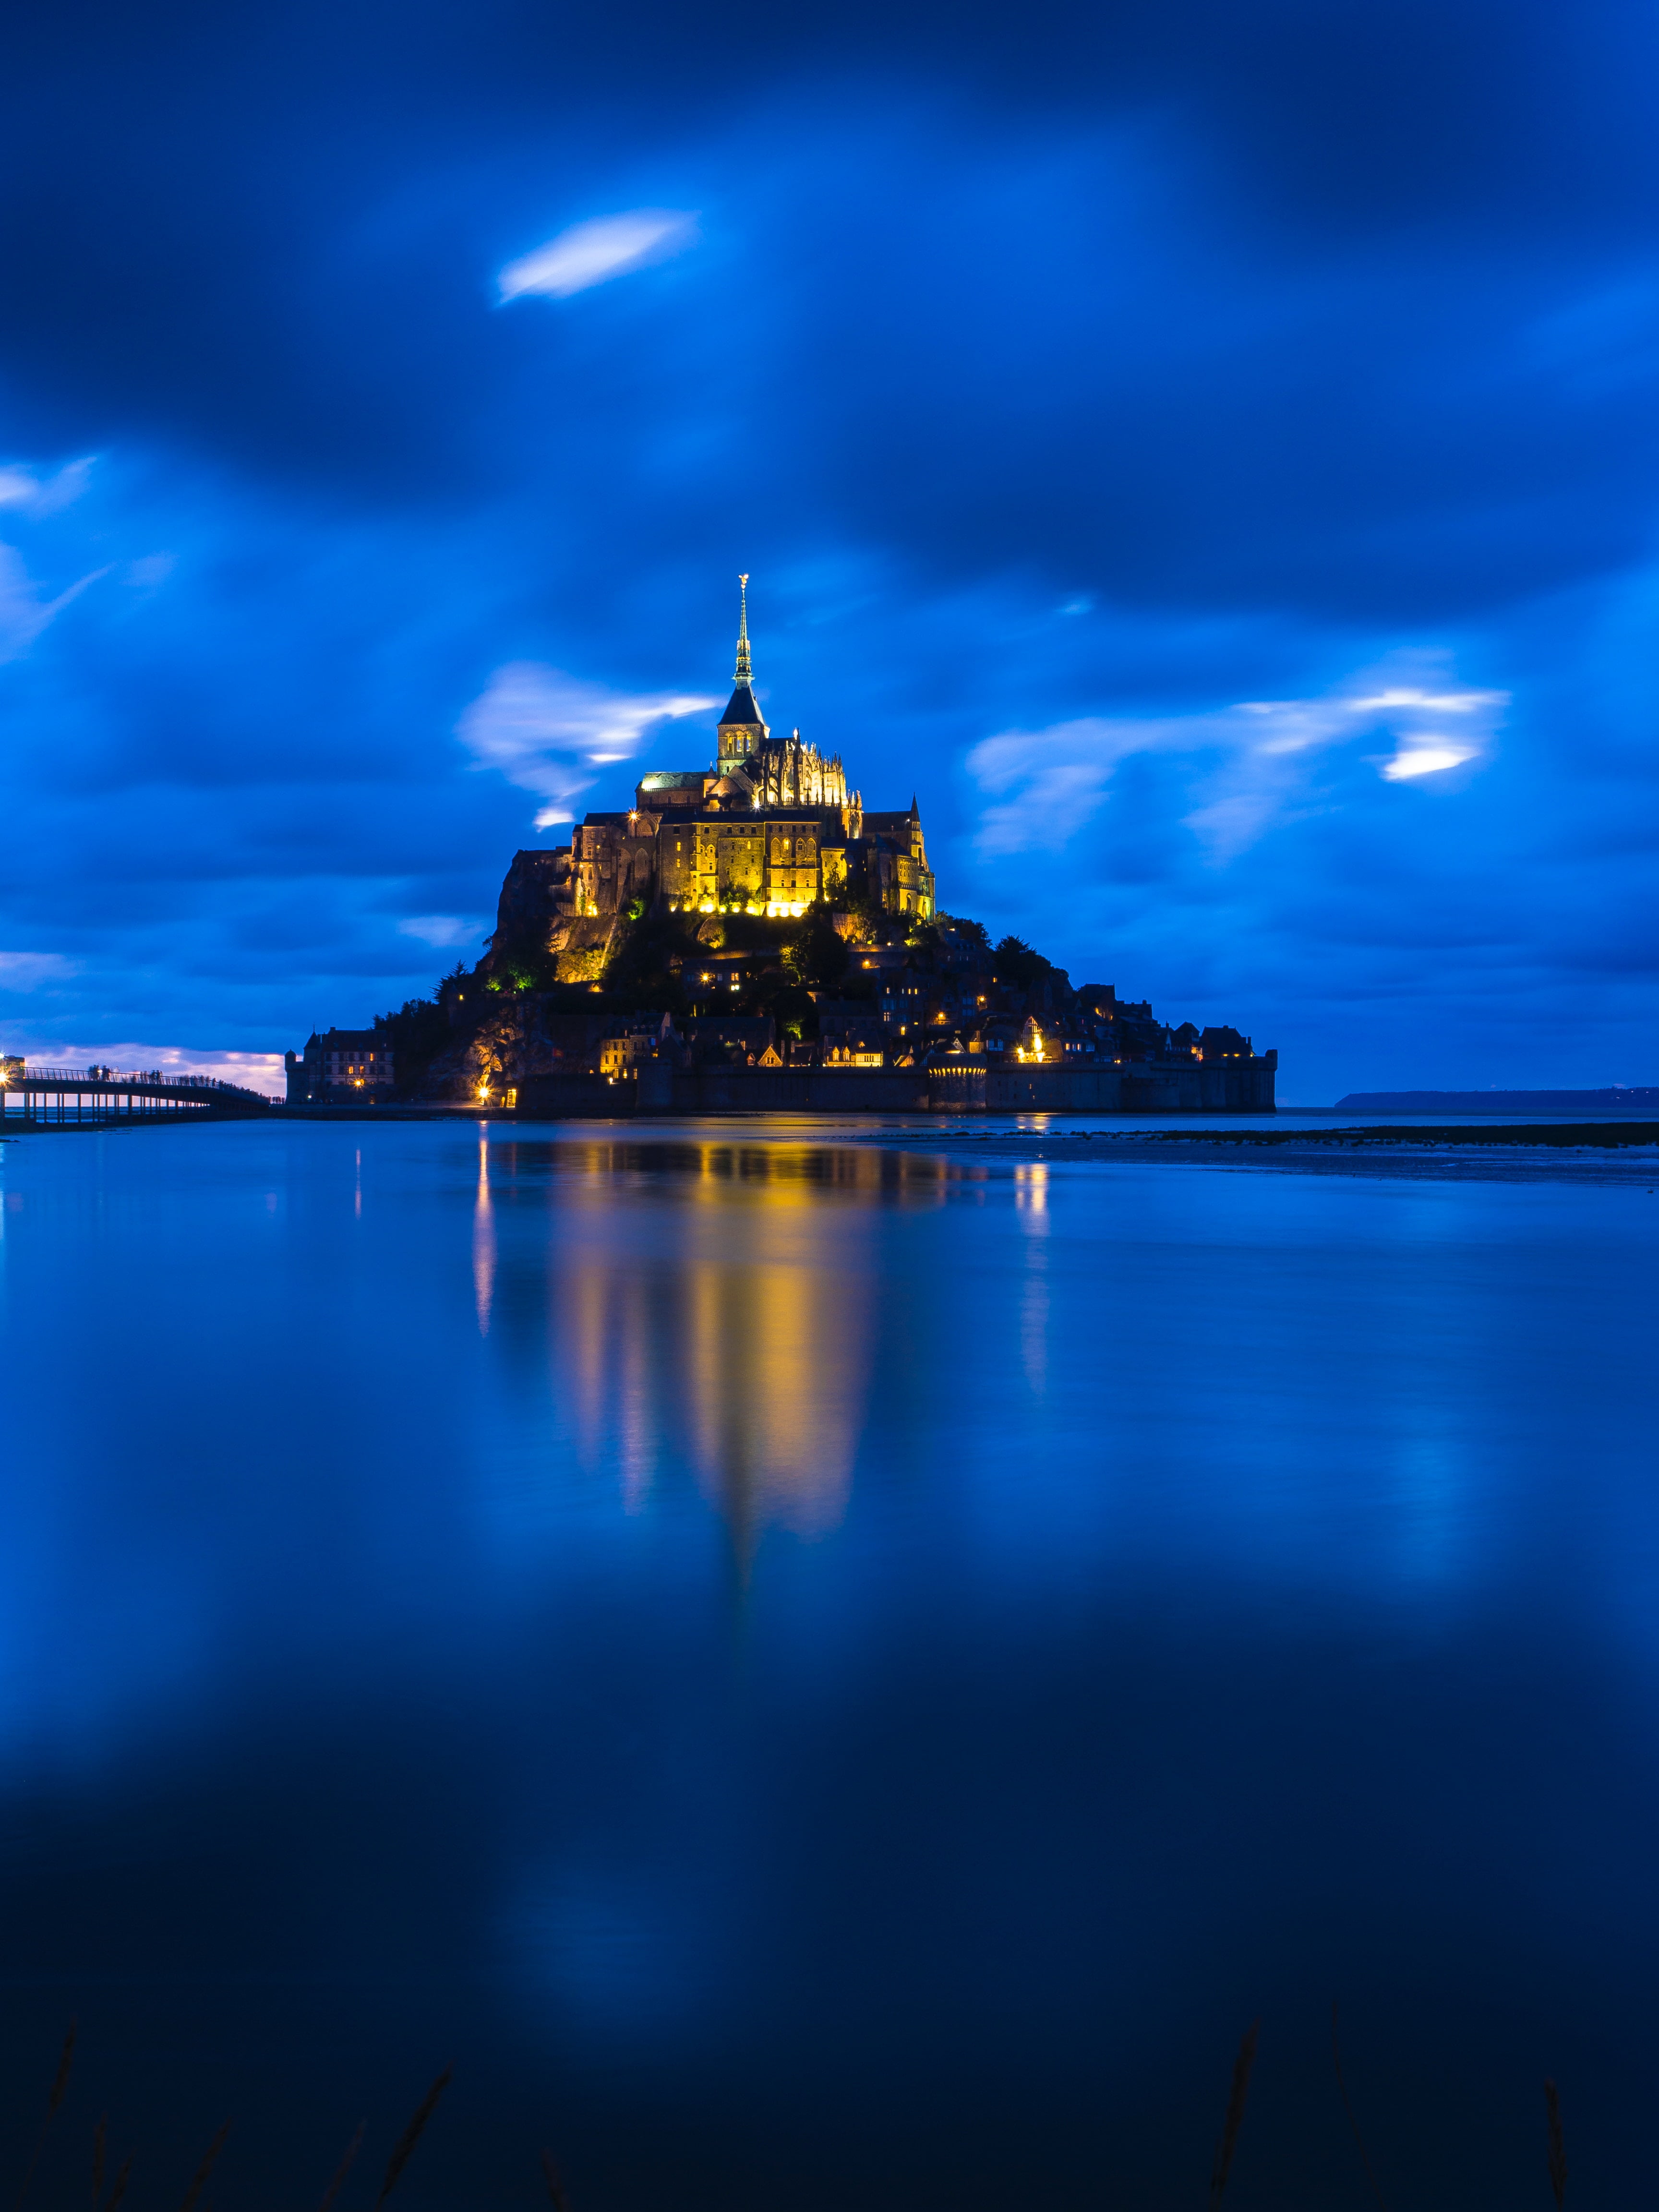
(1253,761)
(593,253)
(543,730)
(34,494)
(1426,760)
(439,929)
(28,971)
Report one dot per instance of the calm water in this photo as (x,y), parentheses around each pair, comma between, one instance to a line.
(820,1675)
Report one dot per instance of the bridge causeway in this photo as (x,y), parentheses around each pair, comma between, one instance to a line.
(33,1096)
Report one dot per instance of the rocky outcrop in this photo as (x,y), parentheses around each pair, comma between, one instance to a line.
(526,1038)
(581,946)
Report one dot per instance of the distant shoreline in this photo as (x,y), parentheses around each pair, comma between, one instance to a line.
(1588,1132)
(1623,1101)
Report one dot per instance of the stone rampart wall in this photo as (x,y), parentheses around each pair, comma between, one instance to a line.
(800,1090)
(576,1098)
(1231,1088)
(1053,1090)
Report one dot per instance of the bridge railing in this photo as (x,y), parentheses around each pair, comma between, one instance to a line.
(109,1078)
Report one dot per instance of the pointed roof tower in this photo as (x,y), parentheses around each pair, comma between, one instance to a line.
(742,730)
(744,670)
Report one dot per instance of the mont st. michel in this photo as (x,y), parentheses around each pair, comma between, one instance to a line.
(748,934)
(766,832)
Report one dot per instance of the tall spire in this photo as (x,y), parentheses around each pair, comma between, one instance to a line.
(743,730)
(745,673)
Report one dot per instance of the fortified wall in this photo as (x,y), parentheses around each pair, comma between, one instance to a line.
(1239,1087)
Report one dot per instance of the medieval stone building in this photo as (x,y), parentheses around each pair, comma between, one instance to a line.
(770,827)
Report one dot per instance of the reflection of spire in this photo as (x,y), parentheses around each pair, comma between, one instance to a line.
(745,673)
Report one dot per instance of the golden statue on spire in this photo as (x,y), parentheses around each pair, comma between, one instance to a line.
(744,671)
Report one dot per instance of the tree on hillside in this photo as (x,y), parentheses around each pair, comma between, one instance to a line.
(643,970)
(1018,964)
(523,963)
(817,954)
(417,1031)
(975,932)
(790,1005)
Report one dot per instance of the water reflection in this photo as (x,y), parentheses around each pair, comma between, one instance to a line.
(483,1241)
(1246,1590)
(776,1374)
(1031,1211)
(1032,1190)
(731,1333)
(912,1177)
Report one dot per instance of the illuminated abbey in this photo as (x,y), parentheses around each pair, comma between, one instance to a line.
(661,962)
(768,828)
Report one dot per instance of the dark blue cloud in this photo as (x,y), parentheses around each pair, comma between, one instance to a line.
(1082,374)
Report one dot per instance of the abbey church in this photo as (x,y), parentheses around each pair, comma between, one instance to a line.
(768,828)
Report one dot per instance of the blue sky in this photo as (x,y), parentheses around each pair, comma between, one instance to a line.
(1208,454)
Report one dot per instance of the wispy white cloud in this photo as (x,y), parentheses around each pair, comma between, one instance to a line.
(591,253)
(439,929)
(23,612)
(32,493)
(543,730)
(1254,761)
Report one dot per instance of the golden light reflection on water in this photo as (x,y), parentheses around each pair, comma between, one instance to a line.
(484,1242)
(776,1389)
(1031,1211)
(732,1328)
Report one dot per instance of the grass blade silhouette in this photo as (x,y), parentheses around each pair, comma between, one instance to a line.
(120,2188)
(1235,2120)
(54,2101)
(205,2168)
(412,2135)
(555,2184)
(1342,2088)
(344,2167)
(1557,2146)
